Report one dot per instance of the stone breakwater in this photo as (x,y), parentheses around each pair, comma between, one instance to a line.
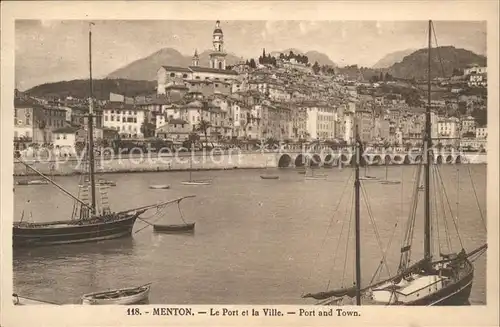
(200,161)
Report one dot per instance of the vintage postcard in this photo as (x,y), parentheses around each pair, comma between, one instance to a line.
(249,163)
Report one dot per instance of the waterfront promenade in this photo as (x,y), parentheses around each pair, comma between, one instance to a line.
(232,159)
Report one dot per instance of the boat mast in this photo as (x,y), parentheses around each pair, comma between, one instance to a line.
(428,154)
(90,122)
(357,218)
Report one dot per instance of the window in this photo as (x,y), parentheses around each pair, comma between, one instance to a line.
(112,118)
(197,77)
(185,75)
(64,136)
(172,75)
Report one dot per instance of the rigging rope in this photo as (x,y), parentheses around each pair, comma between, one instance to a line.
(328,229)
(437,49)
(346,249)
(406,255)
(379,270)
(449,205)
(375,229)
(436,214)
(477,199)
(341,231)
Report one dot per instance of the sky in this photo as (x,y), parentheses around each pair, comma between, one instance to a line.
(50,50)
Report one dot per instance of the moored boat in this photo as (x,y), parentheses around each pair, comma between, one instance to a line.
(92,219)
(188,227)
(199,182)
(32,182)
(159,187)
(23,300)
(269,177)
(123,296)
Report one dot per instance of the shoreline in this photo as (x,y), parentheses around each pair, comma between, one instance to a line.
(177,170)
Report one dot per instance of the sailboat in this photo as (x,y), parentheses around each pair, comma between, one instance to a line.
(367,177)
(388,181)
(313,176)
(443,280)
(89,222)
(195,182)
(175,228)
(28,181)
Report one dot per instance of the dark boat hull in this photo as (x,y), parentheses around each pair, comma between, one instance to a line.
(104,228)
(269,177)
(174,228)
(454,294)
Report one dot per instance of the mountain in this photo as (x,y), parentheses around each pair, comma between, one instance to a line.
(415,64)
(145,69)
(390,59)
(102,87)
(313,56)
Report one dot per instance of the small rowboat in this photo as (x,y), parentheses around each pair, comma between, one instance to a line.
(315,178)
(390,182)
(269,177)
(106,182)
(20,300)
(368,178)
(33,182)
(174,228)
(131,295)
(205,182)
(159,187)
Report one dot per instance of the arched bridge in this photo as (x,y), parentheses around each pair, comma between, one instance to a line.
(335,158)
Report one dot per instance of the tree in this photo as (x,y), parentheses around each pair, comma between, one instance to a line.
(462,108)
(481,116)
(148,129)
(316,68)
(203,126)
(252,63)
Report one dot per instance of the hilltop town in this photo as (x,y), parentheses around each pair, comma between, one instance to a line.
(277,98)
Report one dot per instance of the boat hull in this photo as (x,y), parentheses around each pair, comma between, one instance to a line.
(141,296)
(67,232)
(455,293)
(159,187)
(269,177)
(195,183)
(174,228)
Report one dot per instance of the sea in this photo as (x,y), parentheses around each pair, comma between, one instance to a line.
(256,241)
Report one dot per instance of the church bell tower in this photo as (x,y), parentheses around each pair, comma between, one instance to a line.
(196,58)
(218,56)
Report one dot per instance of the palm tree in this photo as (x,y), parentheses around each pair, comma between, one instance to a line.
(203,126)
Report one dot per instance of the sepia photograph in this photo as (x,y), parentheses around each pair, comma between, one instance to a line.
(314,163)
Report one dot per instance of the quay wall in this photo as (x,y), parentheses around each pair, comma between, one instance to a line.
(213,161)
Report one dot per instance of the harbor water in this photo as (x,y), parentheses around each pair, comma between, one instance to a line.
(256,241)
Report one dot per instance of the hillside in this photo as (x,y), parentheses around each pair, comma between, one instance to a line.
(415,64)
(145,69)
(102,88)
(391,58)
(313,56)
